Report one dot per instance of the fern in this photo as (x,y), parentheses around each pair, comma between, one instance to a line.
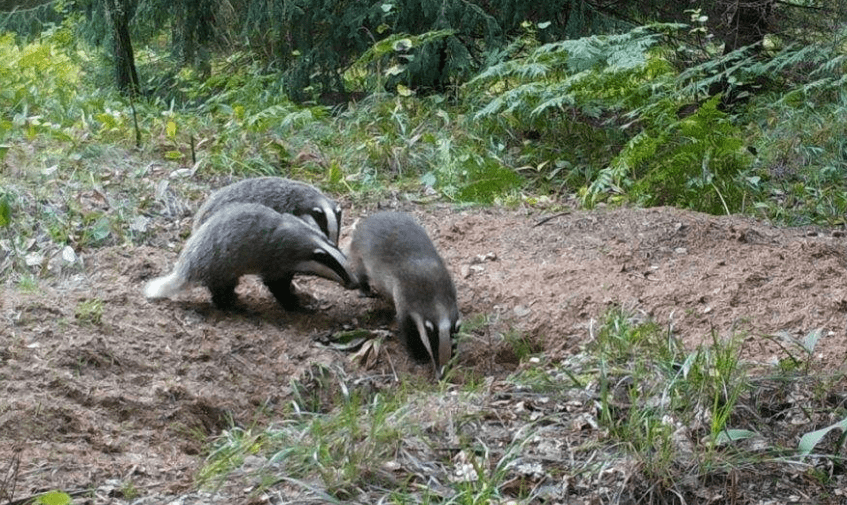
(624,113)
(691,163)
(575,93)
(590,73)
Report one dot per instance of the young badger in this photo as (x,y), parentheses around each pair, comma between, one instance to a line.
(282,195)
(248,238)
(392,255)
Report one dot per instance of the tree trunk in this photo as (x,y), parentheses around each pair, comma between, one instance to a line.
(126,77)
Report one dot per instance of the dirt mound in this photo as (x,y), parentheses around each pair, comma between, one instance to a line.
(99,384)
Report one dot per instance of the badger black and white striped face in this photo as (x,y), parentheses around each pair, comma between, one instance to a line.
(323,259)
(327,215)
(437,338)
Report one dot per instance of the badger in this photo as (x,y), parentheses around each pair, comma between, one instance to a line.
(391,254)
(282,195)
(249,238)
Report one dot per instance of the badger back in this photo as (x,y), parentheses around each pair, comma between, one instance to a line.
(283,195)
(392,254)
(249,238)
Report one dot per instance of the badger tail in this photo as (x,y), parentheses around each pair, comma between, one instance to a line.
(163,287)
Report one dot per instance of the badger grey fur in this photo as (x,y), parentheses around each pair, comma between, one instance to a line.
(392,255)
(282,195)
(248,238)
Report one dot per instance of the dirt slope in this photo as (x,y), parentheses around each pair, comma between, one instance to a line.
(131,394)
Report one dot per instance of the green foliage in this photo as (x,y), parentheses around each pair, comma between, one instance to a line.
(651,385)
(359,442)
(312,42)
(810,440)
(421,139)
(231,447)
(47,62)
(571,95)
(470,177)
(340,447)
(28,20)
(89,311)
(5,211)
(54,498)
(800,137)
(309,45)
(651,134)
(391,57)
(690,162)
(521,344)
(800,353)
(27,284)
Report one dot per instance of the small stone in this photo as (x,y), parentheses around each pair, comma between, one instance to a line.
(68,254)
(521,311)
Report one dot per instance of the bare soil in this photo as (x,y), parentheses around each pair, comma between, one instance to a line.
(132,393)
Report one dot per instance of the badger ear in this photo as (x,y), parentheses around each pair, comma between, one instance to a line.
(318,210)
(429,326)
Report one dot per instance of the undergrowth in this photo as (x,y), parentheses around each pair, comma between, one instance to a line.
(606,117)
(634,416)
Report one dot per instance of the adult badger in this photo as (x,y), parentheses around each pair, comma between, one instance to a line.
(282,195)
(392,255)
(249,238)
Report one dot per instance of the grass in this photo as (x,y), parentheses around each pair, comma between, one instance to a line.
(89,311)
(389,443)
(634,416)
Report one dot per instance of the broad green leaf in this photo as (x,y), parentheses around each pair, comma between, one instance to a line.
(394,70)
(101,228)
(811,340)
(726,436)
(402,45)
(5,212)
(171,130)
(810,440)
(54,498)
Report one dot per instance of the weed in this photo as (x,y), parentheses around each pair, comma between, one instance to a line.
(790,346)
(128,491)
(341,447)
(228,453)
(27,283)
(89,311)
(521,345)
(651,388)
(54,498)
